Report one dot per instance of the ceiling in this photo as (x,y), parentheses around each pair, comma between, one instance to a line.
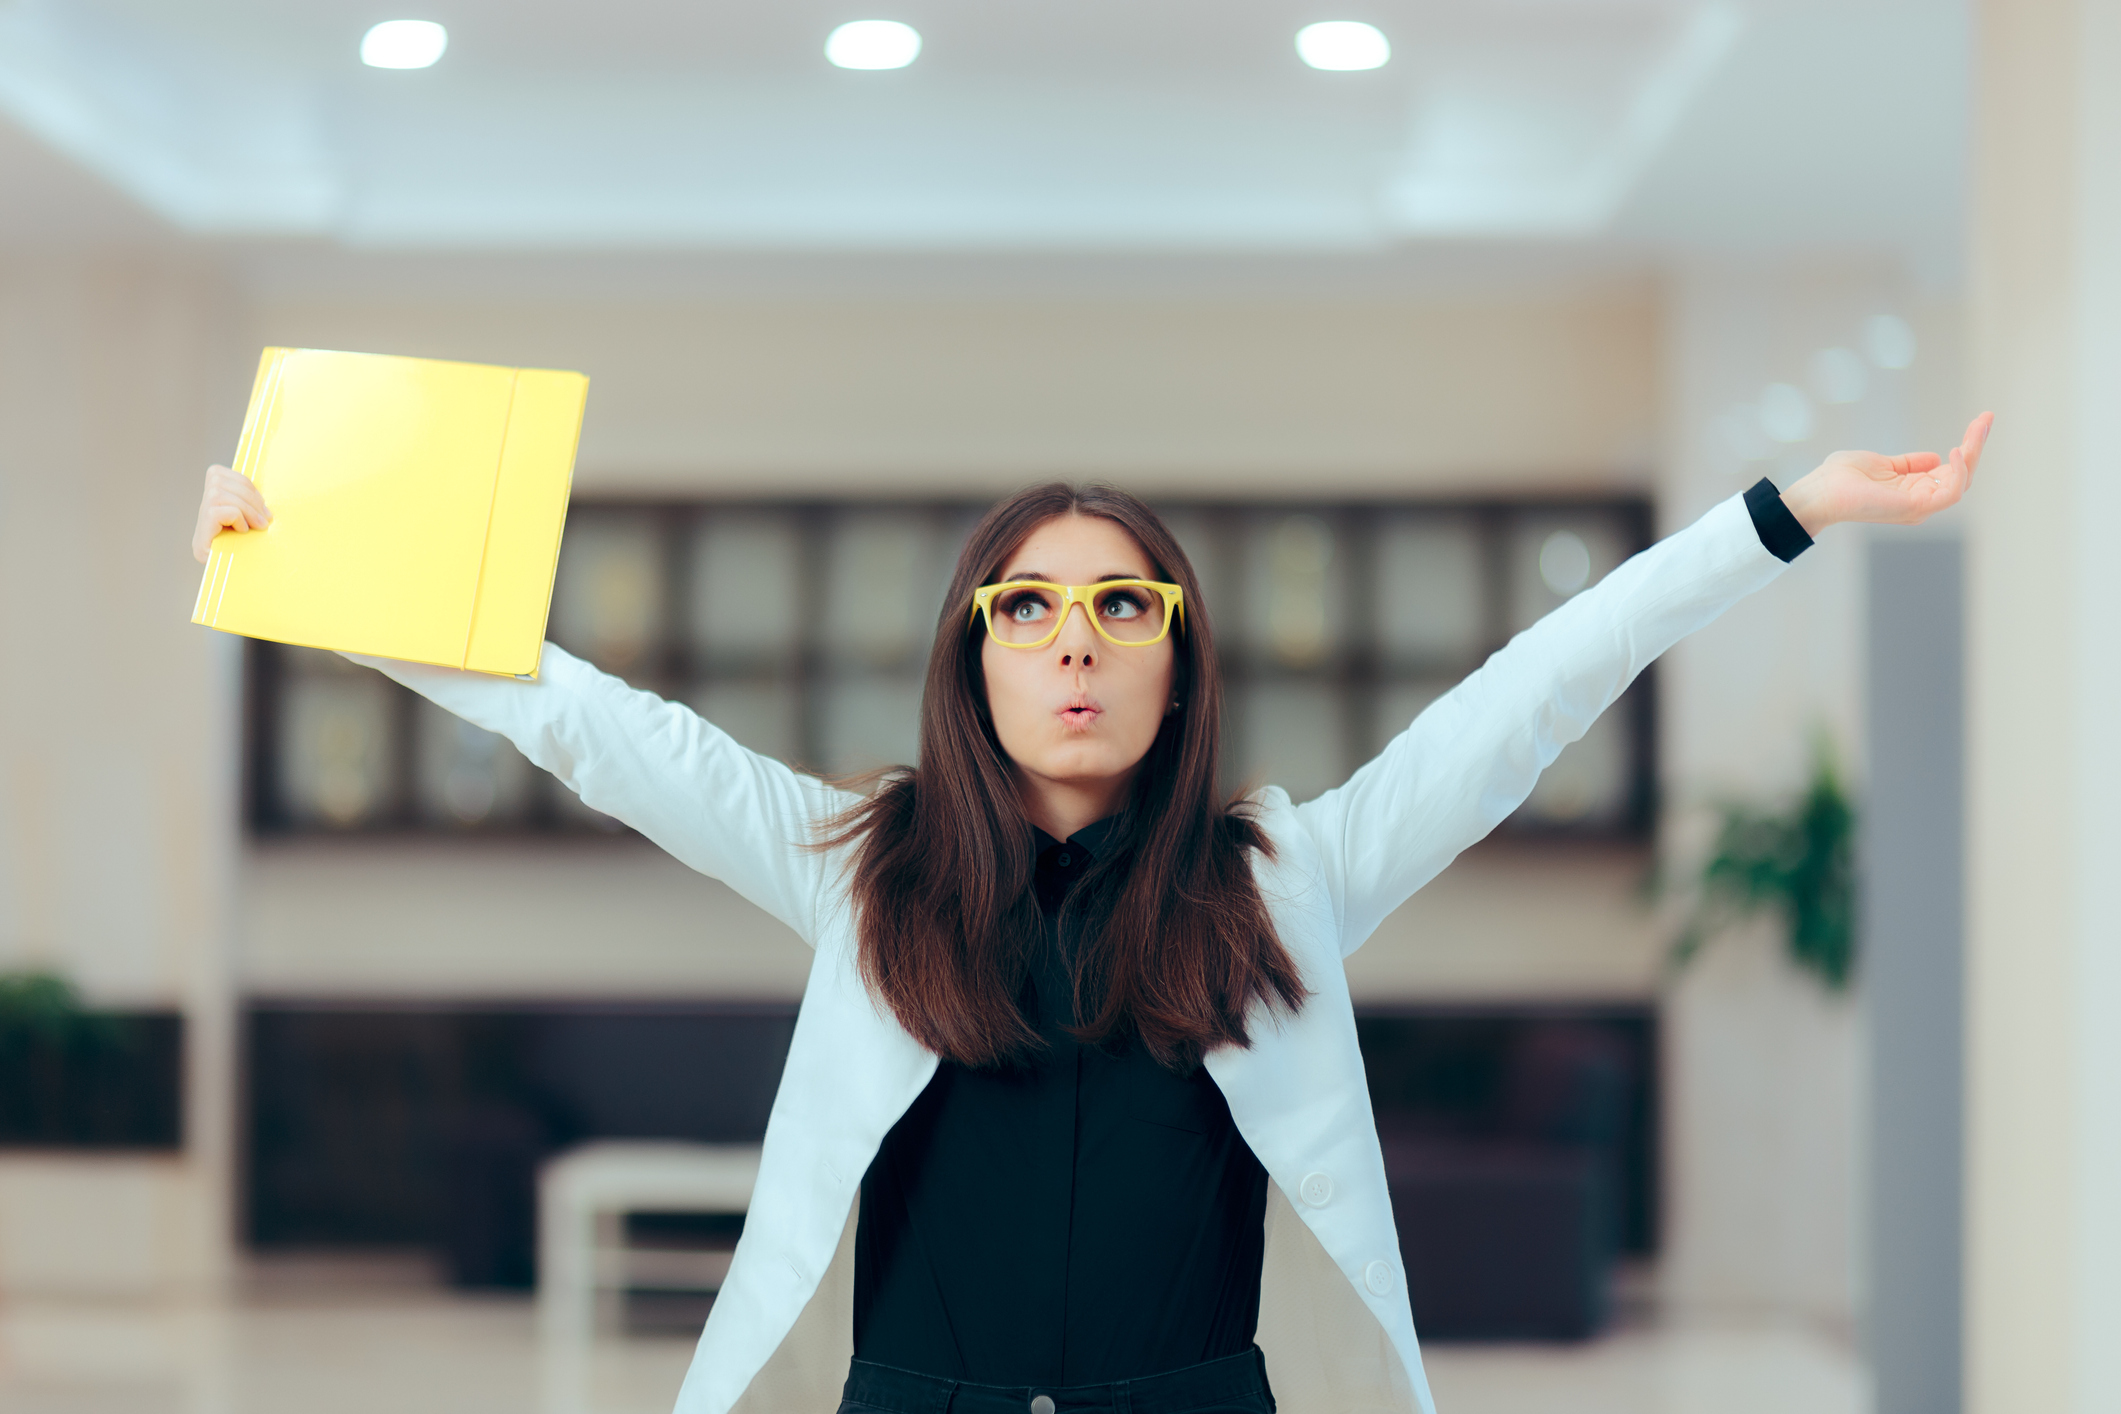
(1098,126)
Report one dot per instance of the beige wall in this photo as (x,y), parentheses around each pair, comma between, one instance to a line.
(117,822)
(115,378)
(1285,398)
(2043,985)
(619,919)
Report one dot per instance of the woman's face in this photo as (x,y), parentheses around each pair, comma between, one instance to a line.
(1078,715)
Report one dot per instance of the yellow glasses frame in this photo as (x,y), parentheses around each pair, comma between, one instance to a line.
(1085,595)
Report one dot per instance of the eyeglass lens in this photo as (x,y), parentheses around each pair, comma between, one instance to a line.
(1129,613)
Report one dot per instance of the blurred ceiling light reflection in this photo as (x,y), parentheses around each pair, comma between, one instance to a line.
(1565,562)
(1343,45)
(873,44)
(1785,412)
(1740,430)
(1839,376)
(403,44)
(1888,340)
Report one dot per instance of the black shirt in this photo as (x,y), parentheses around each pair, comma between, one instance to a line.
(1087,1217)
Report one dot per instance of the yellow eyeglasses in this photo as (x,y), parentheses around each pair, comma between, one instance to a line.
(1028,613)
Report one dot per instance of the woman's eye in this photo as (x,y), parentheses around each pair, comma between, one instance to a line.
(1025,609)
(1122,606)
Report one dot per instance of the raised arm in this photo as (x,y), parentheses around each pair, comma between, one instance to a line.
(658,766)
(1473,756)
(743,818)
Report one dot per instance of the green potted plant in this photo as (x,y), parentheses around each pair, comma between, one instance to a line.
(1797,861)
(69,1075)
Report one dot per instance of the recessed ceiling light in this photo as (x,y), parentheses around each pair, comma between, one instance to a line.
(403,44)
(873,44)
(1343,44)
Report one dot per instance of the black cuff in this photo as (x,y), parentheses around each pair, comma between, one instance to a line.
(1778,530)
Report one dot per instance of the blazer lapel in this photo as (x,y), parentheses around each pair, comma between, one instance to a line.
(1299,1096)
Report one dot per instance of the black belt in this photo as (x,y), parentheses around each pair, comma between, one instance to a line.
(1235,1382)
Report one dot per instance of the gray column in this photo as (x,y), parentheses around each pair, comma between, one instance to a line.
(1911,929)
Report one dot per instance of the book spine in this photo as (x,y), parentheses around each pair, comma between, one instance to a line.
(500,466)
(250,459)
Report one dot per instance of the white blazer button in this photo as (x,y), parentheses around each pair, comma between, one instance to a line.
(1042,1404)
(1378,1277)
(1317,1189)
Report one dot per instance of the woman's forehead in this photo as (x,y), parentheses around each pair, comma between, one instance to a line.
(1078,549)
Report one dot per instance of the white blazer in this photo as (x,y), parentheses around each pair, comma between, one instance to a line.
(1343,861)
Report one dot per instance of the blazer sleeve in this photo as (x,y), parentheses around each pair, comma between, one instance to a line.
(658,766)
(1472,757)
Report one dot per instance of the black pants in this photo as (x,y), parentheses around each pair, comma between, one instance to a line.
(1235,1384)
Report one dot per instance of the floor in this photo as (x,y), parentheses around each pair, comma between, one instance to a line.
(384,1339)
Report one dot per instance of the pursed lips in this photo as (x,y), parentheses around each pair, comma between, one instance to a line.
(1080,712)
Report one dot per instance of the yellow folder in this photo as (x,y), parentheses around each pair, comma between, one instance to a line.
(416,504)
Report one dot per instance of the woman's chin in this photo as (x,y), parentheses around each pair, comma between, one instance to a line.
(1083,763)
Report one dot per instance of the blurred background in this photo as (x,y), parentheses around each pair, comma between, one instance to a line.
(1745,1067)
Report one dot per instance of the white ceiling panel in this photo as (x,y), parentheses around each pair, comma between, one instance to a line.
(1098,125)
(48,201)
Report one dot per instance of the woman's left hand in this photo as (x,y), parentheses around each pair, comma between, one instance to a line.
(1902,490)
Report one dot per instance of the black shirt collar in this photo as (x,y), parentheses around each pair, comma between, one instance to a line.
(1091,837)
(1061,862)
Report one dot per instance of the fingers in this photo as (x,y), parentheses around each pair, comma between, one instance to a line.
(237,517)
(217,516)
(1942,490)
(1976,439)
(1959,476)
(230,502)
(224,486)
(1868,464)
(1906,489)
(228,489)
(1879,467)
(1915,463)
(1945,480)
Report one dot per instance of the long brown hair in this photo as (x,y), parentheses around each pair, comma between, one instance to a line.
(1177,942)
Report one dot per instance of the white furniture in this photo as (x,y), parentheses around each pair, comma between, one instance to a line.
(584,1196)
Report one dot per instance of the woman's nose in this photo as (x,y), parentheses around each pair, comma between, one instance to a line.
(1077,640)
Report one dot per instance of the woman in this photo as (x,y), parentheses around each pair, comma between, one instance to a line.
(1069,1012)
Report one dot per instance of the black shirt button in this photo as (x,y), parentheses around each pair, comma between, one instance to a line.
(1065,858)
(1043,1403)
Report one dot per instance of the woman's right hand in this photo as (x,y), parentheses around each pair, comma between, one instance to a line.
(231,502)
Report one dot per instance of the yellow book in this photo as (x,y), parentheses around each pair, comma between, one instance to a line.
(416,504)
